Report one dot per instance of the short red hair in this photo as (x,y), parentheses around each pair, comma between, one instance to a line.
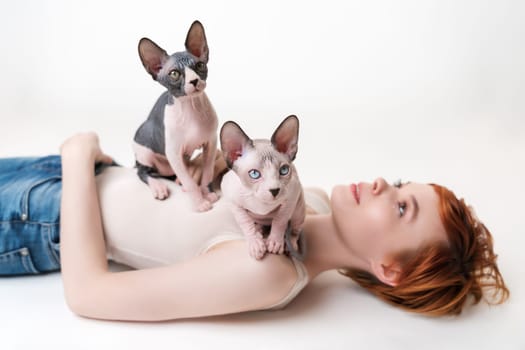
(438,279)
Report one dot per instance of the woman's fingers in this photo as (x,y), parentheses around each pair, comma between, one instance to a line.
(85,144)
(104,158)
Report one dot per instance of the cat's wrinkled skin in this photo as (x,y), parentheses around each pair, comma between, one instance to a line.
(181,121)
(263,185)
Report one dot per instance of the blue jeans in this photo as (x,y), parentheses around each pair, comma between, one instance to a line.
(30,193)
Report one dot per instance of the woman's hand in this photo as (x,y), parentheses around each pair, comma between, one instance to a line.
(86,146)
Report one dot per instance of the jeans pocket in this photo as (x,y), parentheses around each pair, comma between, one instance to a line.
(17,262)
(51,232)
(41,200)
(30,194)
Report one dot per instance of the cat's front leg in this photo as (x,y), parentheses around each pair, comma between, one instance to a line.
(176,160)
(275,241)
(208,163)
(254,238)
(256,245)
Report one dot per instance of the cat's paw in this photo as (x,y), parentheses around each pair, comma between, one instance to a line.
(212,197)
(158,188)
(203,205)
(256,247)
(275,244)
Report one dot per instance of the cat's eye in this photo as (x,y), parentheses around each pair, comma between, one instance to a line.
(174,74)
(284,170)
(201,66)
(254,174)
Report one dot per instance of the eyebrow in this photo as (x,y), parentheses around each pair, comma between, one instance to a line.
(415,207)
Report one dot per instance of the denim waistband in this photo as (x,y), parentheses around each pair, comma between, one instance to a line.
(31,188)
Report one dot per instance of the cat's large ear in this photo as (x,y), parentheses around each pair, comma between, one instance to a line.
(286,136)
(234,141)
(196,43)
(152,56)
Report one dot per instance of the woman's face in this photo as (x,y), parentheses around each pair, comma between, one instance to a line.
(377,220)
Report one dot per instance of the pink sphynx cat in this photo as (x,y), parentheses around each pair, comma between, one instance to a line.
(263,185)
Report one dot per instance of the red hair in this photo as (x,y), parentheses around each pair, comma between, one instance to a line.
(438,279)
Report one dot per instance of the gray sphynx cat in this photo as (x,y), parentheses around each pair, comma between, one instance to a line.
(181,121)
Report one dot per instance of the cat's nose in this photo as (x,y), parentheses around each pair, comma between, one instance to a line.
(275,192)
(194,82)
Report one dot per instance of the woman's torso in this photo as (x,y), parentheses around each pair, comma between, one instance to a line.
(145,232)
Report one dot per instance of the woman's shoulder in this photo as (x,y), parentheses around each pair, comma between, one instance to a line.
(317,200)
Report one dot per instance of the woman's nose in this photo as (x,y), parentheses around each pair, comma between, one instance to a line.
(379,185)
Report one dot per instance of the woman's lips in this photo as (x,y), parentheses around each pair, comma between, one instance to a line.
(355,192)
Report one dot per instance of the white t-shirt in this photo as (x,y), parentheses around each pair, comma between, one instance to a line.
(143,232)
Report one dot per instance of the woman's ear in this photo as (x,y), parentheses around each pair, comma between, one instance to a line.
(387,272)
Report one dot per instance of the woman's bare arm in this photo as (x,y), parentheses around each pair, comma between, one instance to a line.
(224,280)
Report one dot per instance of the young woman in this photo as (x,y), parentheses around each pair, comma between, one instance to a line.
(415,246)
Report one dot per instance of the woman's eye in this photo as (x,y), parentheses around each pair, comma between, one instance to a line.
(174,74)
(200,66)
(402,206)
(398,183)
(254,174)
(284,170)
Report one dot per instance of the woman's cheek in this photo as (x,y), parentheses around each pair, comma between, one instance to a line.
(378,216)
(377,224)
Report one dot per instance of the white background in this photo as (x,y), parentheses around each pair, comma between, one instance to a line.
(427,91)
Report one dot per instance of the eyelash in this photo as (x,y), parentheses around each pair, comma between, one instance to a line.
(401,206)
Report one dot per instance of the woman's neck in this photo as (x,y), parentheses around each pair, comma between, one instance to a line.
(325,248)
